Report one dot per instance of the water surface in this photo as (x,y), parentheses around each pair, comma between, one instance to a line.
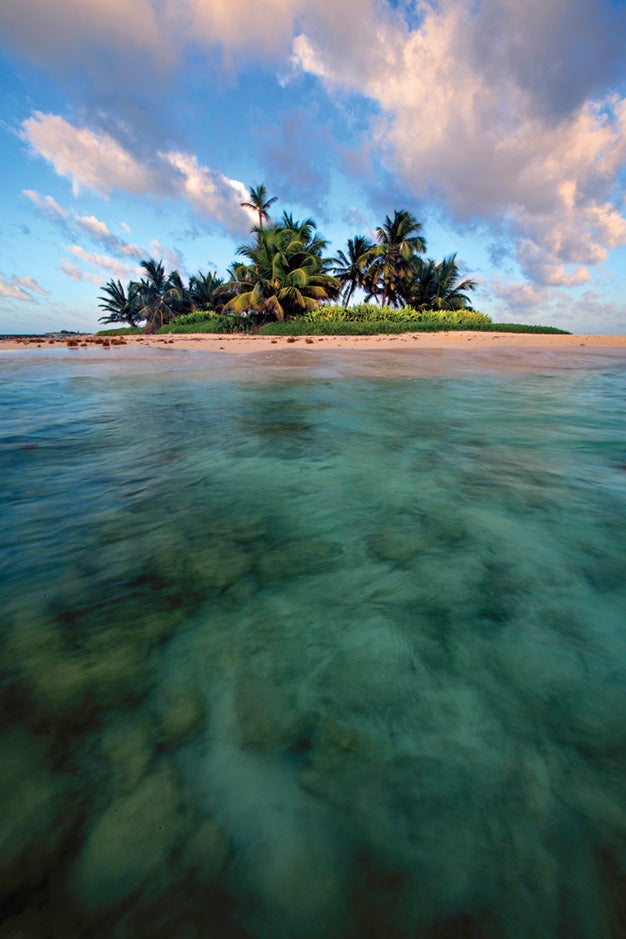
(293,651)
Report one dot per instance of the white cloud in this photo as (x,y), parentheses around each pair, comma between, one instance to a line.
(103,40)
(498,109)
(71,270)
(105,263)
(173,259)
(31,284)
(12,291)
(97,161)
(507,151)
(210,193)
(99,231)
(47,204)
(94,227)
(89,159)
(19,288)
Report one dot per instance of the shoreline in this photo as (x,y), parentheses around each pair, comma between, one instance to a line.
(242,343)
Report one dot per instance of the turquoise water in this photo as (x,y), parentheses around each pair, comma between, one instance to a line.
(297,652)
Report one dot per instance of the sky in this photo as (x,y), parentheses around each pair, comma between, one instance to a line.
(134,128)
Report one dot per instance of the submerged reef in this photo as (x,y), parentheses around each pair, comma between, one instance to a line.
(339,660)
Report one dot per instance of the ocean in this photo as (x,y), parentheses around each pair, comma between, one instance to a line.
(312,645)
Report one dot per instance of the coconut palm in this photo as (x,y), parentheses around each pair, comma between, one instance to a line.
(398,241)
(120,305)
(432,285)
(202,291)
(351,270)
(284,276)
(160,297)
(259,203)
(305,231)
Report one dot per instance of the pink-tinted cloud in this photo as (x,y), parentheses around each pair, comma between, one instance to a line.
(97,161)
(103,262)
(210,193)
(20,288)
(46,204)
(89,159)
(31,284)
(488,149)
(71,223)
(173,260)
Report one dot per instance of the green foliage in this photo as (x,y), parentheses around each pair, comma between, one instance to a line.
(259,203)
(524,328)
(332,326)
(208,323)
(351,269)
(366,312)
(196,316)
(158,297)
(121,331)
(371,327)
(432,285)
(286,274)
(203,291)
(119,303)
(399,242)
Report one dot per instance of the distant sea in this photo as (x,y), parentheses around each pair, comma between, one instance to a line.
(313,647)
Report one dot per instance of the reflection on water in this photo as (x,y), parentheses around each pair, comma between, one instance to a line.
(294,658)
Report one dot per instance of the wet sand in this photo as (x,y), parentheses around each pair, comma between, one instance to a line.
(203,342)
(258,357)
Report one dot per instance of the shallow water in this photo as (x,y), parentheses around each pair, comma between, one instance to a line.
(289,651)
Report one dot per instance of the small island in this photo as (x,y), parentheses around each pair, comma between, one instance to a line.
(285,284)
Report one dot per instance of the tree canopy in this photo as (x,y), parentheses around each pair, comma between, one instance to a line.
(284,271)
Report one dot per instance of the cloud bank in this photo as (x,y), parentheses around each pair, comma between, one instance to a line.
(506,113)
(94,160)
(20,288)
(472,115)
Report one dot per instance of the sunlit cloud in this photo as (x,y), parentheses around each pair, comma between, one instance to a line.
(20,288)
(211,194)
(104,263)
(174,260)
(98,162)
(507,118)
(492,150)
(71,223)
(88,159)
(46,204)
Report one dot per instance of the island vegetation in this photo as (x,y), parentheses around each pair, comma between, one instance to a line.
(284,282)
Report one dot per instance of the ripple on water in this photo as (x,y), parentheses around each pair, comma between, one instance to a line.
(341,657)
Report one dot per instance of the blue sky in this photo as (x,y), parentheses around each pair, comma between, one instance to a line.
(131,130)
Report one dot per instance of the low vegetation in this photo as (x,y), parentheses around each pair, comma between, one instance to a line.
(375,327)
(286,283)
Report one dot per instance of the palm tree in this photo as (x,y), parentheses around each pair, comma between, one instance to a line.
(351,271)
(259,203)
(284,277)
(432,285)
(120,306)
(159,297)
(305,231)
(202,291)
(398,241)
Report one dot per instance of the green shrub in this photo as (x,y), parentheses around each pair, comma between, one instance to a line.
(208,323)
(366,312)
(523,328)
(196,316)
(347,328)
(342,327)
(121,331)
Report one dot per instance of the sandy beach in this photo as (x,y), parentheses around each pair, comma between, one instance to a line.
(237,344)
